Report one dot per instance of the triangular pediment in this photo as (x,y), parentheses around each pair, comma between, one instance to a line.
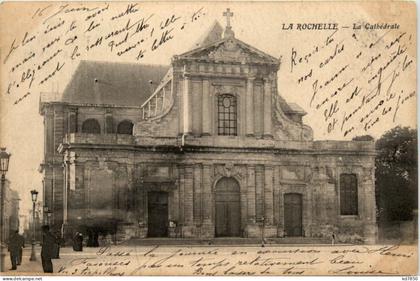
(229,50)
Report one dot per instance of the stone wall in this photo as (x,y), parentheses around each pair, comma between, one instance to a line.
(264,178)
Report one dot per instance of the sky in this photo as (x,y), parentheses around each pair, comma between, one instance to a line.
(263,25)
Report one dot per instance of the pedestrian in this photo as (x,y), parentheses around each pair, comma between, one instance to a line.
(22,242)
(57,245)
(78,242)
(16,242)
(333,239)
(47,250)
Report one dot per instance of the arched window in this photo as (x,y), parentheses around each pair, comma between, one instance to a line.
(125,127)
(348,194)
(91,126)
(227,118)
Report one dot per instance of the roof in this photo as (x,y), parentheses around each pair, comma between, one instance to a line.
(296,109)
(212,35)
(290,108)
(119,84)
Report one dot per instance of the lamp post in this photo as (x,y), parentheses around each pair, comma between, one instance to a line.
(4,167)
(49,213)
(34,195)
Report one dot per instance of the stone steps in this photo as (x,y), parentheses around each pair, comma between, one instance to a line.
(226,241)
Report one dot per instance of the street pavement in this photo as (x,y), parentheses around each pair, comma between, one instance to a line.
(27,266)
(209,260)
(67,254)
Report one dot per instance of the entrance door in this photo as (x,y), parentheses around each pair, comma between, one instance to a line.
(157,202)
(228,208)
(293,214)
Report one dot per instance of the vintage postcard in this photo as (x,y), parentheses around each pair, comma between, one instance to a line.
(207,139)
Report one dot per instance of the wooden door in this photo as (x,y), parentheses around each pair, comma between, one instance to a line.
(293,214)
(157,206)
(228,208)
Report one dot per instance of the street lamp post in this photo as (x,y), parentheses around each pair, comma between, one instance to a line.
(34,195)
(49,213)
(4,167)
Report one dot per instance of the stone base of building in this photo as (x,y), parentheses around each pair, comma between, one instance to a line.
(207,230)
(256,231)
(270,231)
(252,231)
(189,231)
(126,232)
(370,234)
(360,233)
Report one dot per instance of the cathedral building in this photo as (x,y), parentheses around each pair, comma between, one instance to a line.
(213,151)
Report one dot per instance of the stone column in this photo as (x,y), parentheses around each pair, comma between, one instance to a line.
(207,107)
(187,106)
(58,127)
(181,191)
(276,195)
(258,110)
(175,215)
(243,197)
(207,206)
(281,191)
(259,191)
(267,108)
(197,195)
(252,229)
(109,123)
(251,193)
(49,131)
(66,190)
(367,185)
(249,107)
(188,195)
(268,195)
(207,195)
(72,121)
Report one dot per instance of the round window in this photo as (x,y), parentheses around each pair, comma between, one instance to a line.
(226,102)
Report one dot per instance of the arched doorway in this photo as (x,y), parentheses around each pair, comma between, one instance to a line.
(228,208)
(293,214)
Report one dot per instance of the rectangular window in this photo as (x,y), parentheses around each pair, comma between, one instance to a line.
(227,118)
(348,194)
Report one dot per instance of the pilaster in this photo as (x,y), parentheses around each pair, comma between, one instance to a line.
(187,106)
(206,108)
(267,109)
(249,100)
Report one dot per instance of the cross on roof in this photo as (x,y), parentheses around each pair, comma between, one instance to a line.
(228,14)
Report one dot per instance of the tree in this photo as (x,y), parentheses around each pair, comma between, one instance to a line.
(396,174)
(363,138)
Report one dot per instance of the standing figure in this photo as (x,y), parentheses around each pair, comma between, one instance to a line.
(16,243)
(56,254)
(22,242)
(78,242)
(47,250)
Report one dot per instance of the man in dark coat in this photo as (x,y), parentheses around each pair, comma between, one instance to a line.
(16,242)
(78,242)
(47,250)
(57,246)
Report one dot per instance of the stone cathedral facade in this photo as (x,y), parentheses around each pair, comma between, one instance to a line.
(205,147)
